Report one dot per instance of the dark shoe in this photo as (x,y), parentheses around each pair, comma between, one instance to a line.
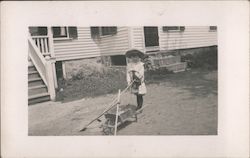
(138,108)
(138,111)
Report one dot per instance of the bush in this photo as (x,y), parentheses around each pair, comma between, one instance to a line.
(206,59)
(94,84)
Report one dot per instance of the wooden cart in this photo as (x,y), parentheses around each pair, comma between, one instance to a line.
(114,119)
(116,114)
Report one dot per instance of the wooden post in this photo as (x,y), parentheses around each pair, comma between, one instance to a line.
(117,110)
(53,64)
(50,78)
(52,54)
(64,70)
(51,42)
(54,74)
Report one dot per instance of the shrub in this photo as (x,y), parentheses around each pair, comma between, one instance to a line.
(206,59)
(94,84)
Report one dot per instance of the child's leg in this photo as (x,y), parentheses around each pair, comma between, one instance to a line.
(139,101)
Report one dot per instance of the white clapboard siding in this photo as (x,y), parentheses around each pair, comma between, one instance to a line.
(130,37)
(115,44)
(191,37)
(137,38)
(83,47)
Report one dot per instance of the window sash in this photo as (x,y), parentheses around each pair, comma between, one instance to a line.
(38,31)
(60,32)
(173,28)
(213,28)
(108,30)
(95,31)
(72,32)
(102,31)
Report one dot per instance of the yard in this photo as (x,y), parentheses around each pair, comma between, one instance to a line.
(184,103)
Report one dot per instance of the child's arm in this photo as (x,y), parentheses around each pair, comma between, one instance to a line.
(128,75)
(140,72)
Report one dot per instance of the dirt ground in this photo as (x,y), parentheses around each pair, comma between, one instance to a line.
(181,104)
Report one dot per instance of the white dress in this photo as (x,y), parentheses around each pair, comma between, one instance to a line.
(139,72)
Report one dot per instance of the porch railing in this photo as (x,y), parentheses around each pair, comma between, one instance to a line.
(43,44)
(44,66)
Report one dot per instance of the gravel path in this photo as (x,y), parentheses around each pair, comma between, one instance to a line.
(182,105)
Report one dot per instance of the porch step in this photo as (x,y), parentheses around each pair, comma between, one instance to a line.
(31,68)
(35,82)
(37,90)
(168,60)
(34,79)
(176,67)
(30,63)
(39,86)
(38,98)
(33,74)
(38,95)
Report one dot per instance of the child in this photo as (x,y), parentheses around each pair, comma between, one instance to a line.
(135,71)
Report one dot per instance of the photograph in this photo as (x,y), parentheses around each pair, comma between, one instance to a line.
(162,79)
(122,80)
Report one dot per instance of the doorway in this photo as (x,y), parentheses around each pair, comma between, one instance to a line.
(151,36)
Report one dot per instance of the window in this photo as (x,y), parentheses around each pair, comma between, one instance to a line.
(173,28)
(65,32)
(109,30)
(103,31)
(118,60)
(73,32)
(95,31)
(38,31)
(151,36)
(212,28)
(59,32)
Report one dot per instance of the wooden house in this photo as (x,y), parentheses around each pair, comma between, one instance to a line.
(53,51)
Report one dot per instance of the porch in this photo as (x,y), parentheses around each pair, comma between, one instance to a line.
(41,69)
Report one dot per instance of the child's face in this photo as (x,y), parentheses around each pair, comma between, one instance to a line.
(135,59)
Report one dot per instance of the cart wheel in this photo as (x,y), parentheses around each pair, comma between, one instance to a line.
(112,130)
(107,130)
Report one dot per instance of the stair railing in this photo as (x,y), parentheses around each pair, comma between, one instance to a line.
(44,66)
(43,44)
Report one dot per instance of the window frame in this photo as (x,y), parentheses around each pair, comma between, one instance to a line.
(38,29)
(67,36)
(170,28)
(213,28)
(60,37)
(110,32)
(100,32)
